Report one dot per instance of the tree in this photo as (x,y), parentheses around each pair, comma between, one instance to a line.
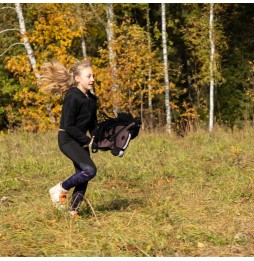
(83,41)
(112,55)
(132,70)
(212,46)
(166,76)
(56,32)
(30,52)
(109,28)
(198,57)
(235,106)
(9,43)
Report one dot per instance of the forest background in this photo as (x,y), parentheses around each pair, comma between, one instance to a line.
(124,43)
(168,196)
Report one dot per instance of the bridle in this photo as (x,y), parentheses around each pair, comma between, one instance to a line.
(116,136)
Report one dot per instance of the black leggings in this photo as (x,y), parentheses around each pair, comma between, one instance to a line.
(84,167)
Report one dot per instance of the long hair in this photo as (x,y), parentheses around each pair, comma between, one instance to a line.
(56,78)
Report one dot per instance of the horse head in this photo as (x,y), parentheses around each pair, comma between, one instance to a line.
(115,134)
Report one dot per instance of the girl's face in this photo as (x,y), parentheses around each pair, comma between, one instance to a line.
(85,79)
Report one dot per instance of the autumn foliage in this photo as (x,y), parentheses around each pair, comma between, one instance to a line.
(59,31)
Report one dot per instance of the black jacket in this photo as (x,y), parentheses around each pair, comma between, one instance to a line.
(79,115)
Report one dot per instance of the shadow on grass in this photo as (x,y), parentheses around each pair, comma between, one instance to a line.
(119,204)
(114,205)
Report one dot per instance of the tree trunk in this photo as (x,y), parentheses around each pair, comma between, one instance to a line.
(25,39)
(165,60)
(30,52)
(83,41)
(112,55)
(83,46)
(212,51)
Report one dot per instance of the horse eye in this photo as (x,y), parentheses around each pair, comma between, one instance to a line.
(123,137)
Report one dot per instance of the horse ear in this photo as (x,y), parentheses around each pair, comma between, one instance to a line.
(115,111)
(130,125)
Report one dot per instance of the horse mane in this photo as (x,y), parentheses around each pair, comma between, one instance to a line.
(123,119)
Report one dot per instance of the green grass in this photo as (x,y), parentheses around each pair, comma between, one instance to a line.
(168,196)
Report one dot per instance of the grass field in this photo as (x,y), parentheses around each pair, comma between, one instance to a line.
(168,196)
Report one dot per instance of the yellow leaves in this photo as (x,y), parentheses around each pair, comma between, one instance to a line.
(19,65)
(52,36)
(54,32)
(172,86)
(133,61)
(33,112)
(57,110)
(174,106)
(190,113)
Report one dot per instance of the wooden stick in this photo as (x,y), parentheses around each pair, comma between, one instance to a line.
(91,207)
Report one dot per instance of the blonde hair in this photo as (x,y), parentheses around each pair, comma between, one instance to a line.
(57,78)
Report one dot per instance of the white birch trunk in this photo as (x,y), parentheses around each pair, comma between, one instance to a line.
(83,46)
(165,60)
(83,41)
(112,56)
(110,30)
(30,52)
(25,39)
(150,101)
(212,52)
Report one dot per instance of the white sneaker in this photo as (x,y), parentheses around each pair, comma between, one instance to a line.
(58,196)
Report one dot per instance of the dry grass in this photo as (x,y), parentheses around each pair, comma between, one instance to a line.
(168,196)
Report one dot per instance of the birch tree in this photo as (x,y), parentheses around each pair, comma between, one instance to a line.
(212,52)
(83,41)
(112,55)
(30,52)
(109,28)
(166,76)
(25,39)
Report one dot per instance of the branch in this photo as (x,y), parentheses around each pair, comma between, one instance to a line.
(11,29)
(7,7)
(10,48)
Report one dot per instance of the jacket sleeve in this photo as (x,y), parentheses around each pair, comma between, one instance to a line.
(94,123)
(70,110)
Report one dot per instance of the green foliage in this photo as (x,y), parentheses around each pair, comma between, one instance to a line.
(235,105)
(8,88)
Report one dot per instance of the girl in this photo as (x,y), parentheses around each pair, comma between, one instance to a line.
(78,116)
